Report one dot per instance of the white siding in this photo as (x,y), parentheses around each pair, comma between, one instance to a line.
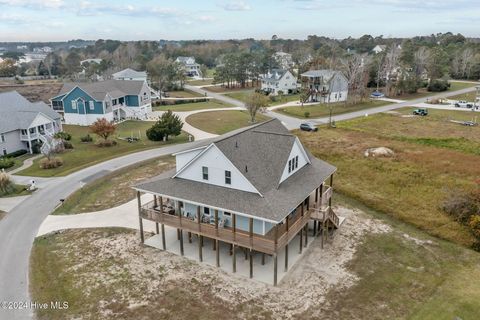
(85,119)
(217,163)
(185,157)
(297,150)
(39,120)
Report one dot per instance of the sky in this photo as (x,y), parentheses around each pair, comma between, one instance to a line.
(59,20)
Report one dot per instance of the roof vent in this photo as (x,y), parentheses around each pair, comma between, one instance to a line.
(236,144)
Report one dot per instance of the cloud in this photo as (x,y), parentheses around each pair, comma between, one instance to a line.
(235,5)
(206,18)
(51,4)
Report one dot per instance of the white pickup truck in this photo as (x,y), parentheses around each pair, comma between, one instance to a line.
(464,104)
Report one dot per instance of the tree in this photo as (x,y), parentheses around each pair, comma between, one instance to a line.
(254,103)
(103,128)
(7,68)
(42,70)
(72,63)
(168,124)
(203,70)
(304,95)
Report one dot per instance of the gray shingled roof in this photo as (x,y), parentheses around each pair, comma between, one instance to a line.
(264,149)
(16,112)
(326,73)
(274,75)
(98,90)
(130,73)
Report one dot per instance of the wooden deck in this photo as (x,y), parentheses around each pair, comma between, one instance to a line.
(276,238)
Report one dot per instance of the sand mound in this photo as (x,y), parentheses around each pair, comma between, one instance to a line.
(379,152)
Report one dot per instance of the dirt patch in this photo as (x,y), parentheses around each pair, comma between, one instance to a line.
(126,280)
(34,93)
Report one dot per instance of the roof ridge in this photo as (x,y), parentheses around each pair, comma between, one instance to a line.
(276,133)
(244,130)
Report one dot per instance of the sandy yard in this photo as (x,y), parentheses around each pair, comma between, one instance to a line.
(141,277)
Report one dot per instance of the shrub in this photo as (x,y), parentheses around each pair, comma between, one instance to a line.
(438,86)
(106,143)
(6,184)
(63,135)
(17,153)
(306,114)
(51,163)
(67,145)
(461,206)
(6,163)
(87,138)
(169,124)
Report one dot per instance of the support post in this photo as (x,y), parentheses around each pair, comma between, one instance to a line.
(314,228)
(286,246)
(263,259)
(164,245)
(275,269)
(156,228)
(301,240)
(234,258)
(200,244)
(218,252)
(251,263)
(142,237)
(306,234)
(250,231)
(234,226)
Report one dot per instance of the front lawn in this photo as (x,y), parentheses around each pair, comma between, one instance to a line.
(433,159)
(87,154)
(423,93)
(201,82)
(322,110)
(19,161)
(183,94)
(114,189)
(192,106)
(224,89)
(240,95)
(220,122)
(18,190)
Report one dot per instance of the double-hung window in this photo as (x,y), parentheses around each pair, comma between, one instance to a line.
(2,137)
(296,162)
(205,173)
(91,105)
(74,104)
(228,177)
(289,165)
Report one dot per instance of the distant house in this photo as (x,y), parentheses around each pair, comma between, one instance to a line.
(192,69)
(130,74)
(325,86)
(283,59)
(23,123)
(279,80)
(114,100)
(379,48)
(97,61)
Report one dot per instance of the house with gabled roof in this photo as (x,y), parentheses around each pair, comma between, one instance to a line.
(325,86)
(276,80)
(114,100)
(190,67)
(256,188)
(24,124)
(130,74)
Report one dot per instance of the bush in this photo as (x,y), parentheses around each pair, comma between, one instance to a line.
(67,145)
(6,163)
(438,86)
(63,135)
(306,114)
(6,184)
(17,153)
(51,163)
(461,206)
(87,138)
(106,143)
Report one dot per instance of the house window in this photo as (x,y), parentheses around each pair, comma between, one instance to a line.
(206,211)
(4,151)
(2,137)
(340,95)
(296,162)
(289,165)
(74,104)
(92,105)
(205,173)
(228,214)
(228,177)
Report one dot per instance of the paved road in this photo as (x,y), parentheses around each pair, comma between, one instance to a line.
(217,96)
(294,123)
(19,228)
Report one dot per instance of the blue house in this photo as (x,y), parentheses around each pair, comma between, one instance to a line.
(114,100)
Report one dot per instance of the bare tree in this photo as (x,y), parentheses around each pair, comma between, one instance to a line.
(353,68)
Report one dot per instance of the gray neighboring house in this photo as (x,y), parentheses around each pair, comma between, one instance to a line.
(130,74)
(24,123)
(325,86)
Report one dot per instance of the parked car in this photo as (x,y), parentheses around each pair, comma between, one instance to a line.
(469,123)
(377,94)
(307,126)
(420,112)
(463,104)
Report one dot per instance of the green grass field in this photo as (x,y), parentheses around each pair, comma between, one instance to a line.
(183,94)
(87,154)
(212,104)
(201,82)
(243,95)
(434,157)
(322,110)
(19,161)
(114,189)
(18,190)
(220,122)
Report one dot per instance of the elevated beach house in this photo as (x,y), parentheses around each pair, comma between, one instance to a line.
(24,124)
(114,100)
(190,67)
(325,86)
(255,189)
(279,80)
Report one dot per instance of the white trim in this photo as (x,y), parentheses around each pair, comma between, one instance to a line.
(66,94)
(302,149)
(193,159)
(210,206)
(188,150)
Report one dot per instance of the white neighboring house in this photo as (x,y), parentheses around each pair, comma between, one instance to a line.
(97,61)
(379,48)
(325,86)
(24,123)
(192,69)
(284,59)
(279,80)
(130,74)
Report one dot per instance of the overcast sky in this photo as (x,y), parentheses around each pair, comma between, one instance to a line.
(57,20)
